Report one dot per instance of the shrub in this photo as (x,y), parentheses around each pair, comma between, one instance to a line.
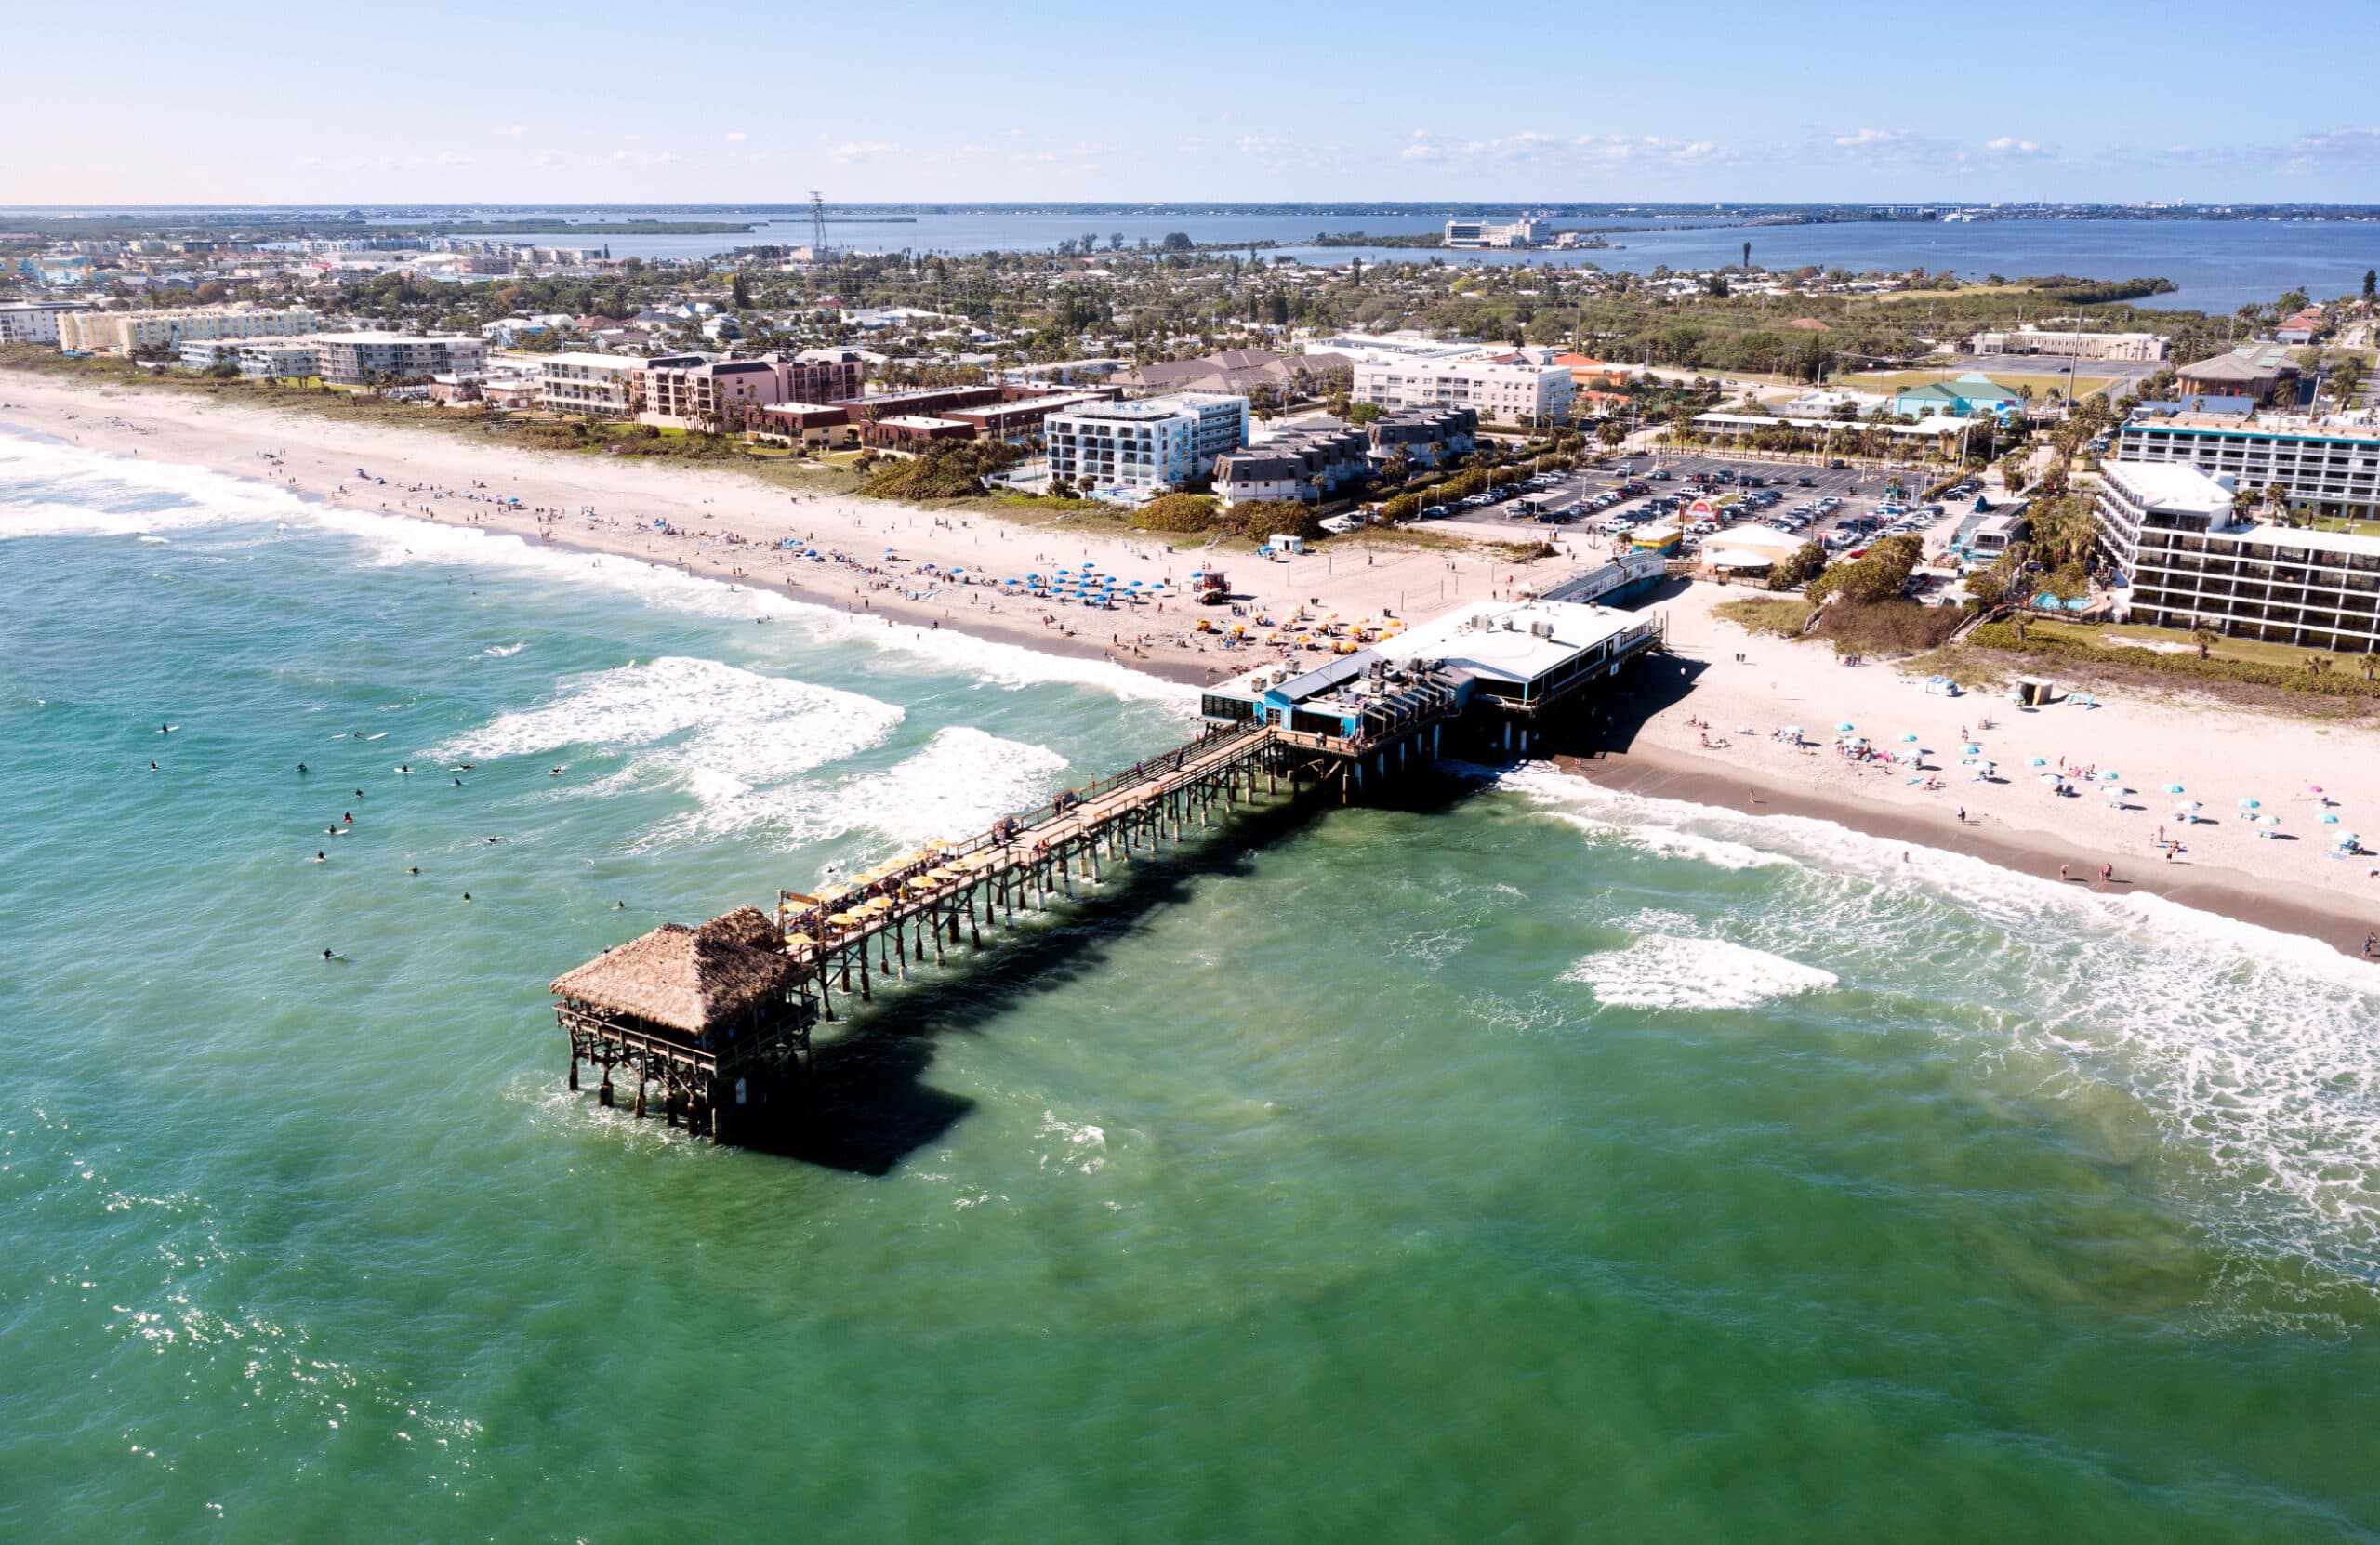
(1405,507)
(1889,626)
(1265,519)
(1177,512)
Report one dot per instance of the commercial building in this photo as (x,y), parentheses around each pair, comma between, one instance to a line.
(2138,347)
(1310,461)
(1527,231)
(140,332)
(597,386)
(1508,385)
(2192,563)
(2263,370)
(33,321)
(1969,395)
(1502,665)
(1132,451)
(373,358)
(2324,467)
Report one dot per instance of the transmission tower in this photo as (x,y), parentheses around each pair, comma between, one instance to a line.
(817,227)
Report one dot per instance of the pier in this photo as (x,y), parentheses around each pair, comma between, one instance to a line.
(718,1018)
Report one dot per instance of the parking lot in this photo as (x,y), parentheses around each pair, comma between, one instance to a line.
(1639,489)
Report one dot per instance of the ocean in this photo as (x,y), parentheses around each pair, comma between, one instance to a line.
(1518,1160)
(2217,266)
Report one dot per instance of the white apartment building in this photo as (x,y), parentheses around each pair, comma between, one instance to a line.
(35,321)
(2192,563)
(131,332)
(258,359)
(1133,451)
(1503,385)
(599,385)
(1386,347)
(2138,347)
(2324,465)
(370,359)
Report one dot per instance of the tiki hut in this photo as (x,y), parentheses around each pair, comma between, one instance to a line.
(700,986)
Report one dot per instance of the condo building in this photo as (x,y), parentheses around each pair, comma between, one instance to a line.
(135,331)
(599,385)
(373,358)
(2325,467)
(1133,451)
(2193,563)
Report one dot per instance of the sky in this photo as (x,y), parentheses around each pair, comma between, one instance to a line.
(1216,99)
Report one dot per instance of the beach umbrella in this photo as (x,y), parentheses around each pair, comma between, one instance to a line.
(2251,804)
(1971,750)
(2050,778)
(2329,820)
(2187,804)
(2037,761)
(1843,729)
(2269,819)
(2343,839)
(1909,740)
(2313,788)
(2106,777)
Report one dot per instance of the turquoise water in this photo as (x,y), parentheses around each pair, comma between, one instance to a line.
(1525,1162)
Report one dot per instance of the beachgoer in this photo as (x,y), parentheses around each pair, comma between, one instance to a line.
(2061,872)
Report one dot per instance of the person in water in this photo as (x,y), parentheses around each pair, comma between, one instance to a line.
(328,956)
(301,767)
(320,857)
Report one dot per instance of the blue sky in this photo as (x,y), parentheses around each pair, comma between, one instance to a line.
(1210,100)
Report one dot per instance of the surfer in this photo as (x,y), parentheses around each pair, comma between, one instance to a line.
(414,870)
(153,767)
(301,767)
(459,782)
(320,857)
(328,956)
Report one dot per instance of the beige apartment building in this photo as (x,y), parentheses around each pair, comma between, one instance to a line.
(135,331)
(594,385)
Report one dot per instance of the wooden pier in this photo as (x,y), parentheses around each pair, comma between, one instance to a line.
(720,1017)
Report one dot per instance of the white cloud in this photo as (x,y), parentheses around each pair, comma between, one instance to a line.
(2008,144)
(1263,144)
(1420,147)
(856,150)
(513,129)
(1867,138)
(735,137)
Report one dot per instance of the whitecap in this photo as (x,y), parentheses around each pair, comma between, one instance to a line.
(1662,971)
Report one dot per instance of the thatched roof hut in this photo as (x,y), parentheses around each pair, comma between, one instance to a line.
(688,981)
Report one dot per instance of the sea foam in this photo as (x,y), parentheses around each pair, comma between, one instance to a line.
(2255,1054)
(1661,970)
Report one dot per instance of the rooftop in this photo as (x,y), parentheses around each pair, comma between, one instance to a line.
(2171,485)
(1492,638)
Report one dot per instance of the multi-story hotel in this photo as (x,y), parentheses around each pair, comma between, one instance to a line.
(1134,450)
(2324,467)
(697,392)
(134,332)
(373,358)
(2193,563)
(1504,384)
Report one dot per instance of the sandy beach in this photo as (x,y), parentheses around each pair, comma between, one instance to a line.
(1706,734)
(726,525)
(1746,688)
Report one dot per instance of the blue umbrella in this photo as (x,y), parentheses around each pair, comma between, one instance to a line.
(1909,740)
(1971,750)
(2106,777)
(2251,804)
(2173,788)
(1843,729)
(2037,762)
(2329,820)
